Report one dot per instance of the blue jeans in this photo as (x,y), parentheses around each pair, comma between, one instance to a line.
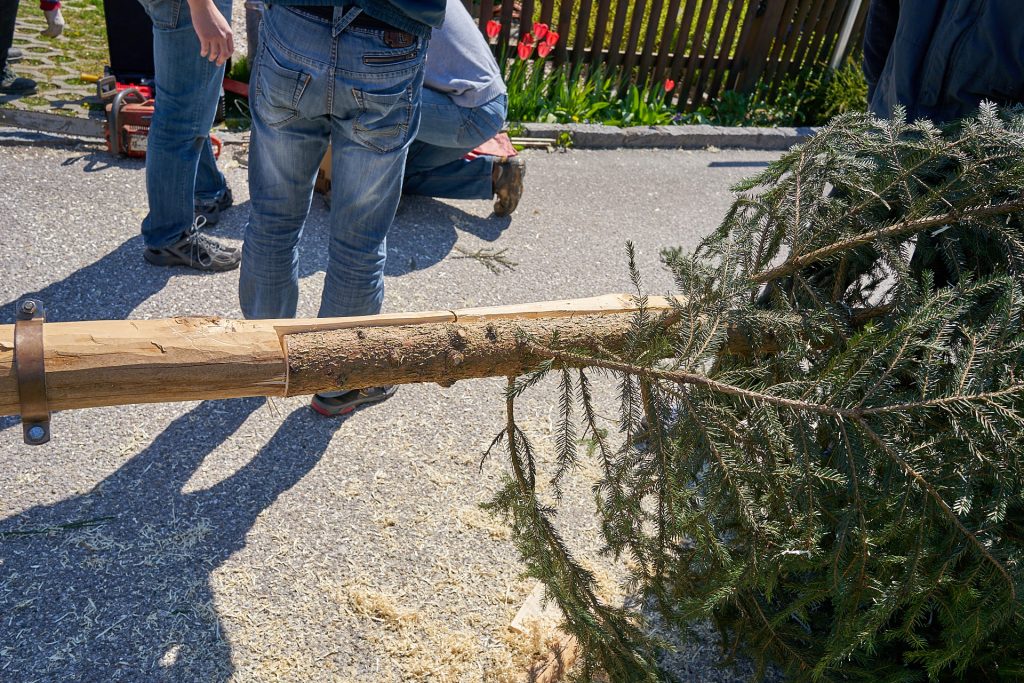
(314,81)
(180,166)
(435,167)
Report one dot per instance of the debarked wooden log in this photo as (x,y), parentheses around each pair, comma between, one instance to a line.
(119,362)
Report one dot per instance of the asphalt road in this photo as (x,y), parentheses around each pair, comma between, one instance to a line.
(253,540)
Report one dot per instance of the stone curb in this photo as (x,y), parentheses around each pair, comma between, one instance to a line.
(599,136)
(80,126)
(584,135)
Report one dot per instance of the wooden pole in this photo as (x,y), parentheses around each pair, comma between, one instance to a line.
(118,362)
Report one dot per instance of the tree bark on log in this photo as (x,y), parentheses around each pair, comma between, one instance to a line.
(101,363)
(437,352)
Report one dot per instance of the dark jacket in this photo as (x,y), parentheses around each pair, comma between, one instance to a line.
(941,58)
(414,16)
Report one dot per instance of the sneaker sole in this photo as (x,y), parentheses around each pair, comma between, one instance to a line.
(330,411)
(169,260)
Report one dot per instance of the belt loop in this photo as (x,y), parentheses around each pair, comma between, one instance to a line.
(343,18)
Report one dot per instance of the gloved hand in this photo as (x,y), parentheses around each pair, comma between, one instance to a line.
(54,23)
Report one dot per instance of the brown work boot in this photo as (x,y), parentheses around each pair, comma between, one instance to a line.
(507,181)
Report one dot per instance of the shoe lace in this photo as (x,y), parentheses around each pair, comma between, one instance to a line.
(202,248)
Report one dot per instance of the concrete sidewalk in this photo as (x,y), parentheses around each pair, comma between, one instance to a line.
(253,540)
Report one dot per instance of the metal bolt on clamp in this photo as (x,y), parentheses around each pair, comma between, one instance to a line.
(31,372)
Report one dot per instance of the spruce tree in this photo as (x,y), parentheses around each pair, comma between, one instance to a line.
(820,448)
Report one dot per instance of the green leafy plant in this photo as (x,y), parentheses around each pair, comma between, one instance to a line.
(641,107)
(527,78)
(563,94)
(822,448)
(846,90)
(573,98)
(241,69)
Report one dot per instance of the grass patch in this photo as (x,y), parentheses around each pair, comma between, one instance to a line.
(34,101)
(81,48)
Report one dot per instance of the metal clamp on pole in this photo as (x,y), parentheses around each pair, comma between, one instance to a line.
(28,358)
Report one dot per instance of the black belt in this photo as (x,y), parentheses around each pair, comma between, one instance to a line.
(362,20)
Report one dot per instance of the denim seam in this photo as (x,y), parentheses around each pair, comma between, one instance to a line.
(173,21)
(299,58)
(335,44)
(292,55)
(298,9)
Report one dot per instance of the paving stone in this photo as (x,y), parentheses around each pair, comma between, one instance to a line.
(57,63)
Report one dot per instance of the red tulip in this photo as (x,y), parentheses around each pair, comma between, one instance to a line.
(525,50)
(551,38)
(493,28)
(539,30)
(670,85)
(527,38)
(543,50)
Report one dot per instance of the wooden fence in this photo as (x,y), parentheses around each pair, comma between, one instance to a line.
(705,46)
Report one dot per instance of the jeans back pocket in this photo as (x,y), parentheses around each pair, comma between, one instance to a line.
(278,89)
(384,119)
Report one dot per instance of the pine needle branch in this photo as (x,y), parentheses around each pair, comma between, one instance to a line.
(907,227)
(494,260)
(950,515)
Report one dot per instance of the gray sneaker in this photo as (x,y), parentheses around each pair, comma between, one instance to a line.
(334,403)
(507,181)
(198,251)
(13,84)
(15,54)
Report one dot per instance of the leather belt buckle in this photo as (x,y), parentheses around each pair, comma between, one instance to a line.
(395,38)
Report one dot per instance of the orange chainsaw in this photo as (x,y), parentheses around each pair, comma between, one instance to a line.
(129,116)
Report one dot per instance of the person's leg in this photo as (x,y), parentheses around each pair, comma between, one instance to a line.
(290,131)
(187,89)
(10,83)
(8,14)
(445,124)
(376,111)
(210,182)
(436,167)
(375,116)
(212,195)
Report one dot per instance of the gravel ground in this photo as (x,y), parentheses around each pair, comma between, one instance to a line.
(252,540)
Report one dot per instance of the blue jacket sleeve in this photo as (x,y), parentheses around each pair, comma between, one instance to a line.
(879,31)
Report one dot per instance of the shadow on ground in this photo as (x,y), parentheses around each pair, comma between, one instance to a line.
(101,159)
(114,584)
(91,153)
(699,655)
(426,230)
(423,234)
(107,289)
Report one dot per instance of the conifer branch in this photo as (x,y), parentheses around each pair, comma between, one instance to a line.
(580,360)
(939,402)
(906,227)
(934,495)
